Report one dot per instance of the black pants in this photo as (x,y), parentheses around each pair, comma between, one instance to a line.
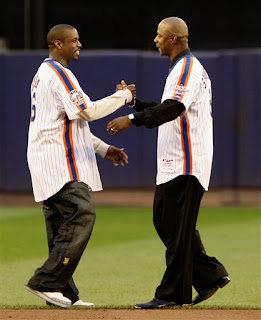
(175,212)
(70,218)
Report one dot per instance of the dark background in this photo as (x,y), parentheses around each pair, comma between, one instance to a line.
(131,24)
(214,27)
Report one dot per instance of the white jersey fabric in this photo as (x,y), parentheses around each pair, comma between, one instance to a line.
(185,145)
(60,144)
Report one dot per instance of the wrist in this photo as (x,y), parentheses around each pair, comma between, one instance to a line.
(131,117)
(102,149)
(132,103)
(125,94)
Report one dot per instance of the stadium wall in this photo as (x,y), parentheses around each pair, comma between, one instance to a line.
(236,78)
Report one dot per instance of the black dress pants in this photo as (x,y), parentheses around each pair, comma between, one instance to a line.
(69,217)
(175,212)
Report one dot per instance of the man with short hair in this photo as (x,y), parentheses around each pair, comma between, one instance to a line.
(184,160)
(62,163)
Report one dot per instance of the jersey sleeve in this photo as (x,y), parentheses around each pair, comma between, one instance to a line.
(69,91)
(100,147)
(184,83)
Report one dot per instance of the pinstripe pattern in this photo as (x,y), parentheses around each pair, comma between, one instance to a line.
(185,145)
(60,147)
(65,79)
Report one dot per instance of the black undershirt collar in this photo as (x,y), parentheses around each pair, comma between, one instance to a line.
(181,54)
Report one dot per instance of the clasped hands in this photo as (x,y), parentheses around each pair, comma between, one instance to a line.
(117,155)
(124,86)
(121,123)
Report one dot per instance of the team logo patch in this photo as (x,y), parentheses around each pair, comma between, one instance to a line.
(180,90)
(76,97)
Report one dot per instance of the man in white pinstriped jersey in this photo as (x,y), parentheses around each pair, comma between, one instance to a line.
(62,163)
(184,160)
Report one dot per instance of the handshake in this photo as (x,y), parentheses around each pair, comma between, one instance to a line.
(122,123)
(124,86)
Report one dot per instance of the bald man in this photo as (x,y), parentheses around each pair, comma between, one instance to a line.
(62,163)
(184,160)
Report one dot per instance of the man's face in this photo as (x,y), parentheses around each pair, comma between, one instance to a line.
(71,45)
(163,40)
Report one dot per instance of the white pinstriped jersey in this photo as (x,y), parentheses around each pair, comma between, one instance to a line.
(185,145)
(60,147)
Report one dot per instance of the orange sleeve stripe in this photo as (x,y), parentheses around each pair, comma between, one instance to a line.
(66,74)
(65,79)
(180,77)
(183,78)
(60,77)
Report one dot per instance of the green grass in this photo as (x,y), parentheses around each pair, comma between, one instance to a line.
(124,260)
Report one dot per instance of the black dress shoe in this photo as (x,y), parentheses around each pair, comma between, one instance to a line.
(157,304)
(212,289)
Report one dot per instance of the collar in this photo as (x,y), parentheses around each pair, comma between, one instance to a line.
(51,59)
(180,55)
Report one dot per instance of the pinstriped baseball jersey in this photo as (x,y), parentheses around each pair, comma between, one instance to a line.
(60,147)
(185,145)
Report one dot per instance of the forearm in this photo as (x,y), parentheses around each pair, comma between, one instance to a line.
(100,147)
(140,105)
(155,116)
(103,107)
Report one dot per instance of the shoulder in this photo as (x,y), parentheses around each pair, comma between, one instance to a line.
(192,68)
(44,72)
(182,65)
(199,71)
(59,72)
(183,68)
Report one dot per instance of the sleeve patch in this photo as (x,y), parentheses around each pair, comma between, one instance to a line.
(76,97)
(180,90)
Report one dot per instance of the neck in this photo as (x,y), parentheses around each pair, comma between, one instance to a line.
(58,58)
(176,51)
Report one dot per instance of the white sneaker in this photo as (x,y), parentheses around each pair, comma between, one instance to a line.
(56,298)
(80,303)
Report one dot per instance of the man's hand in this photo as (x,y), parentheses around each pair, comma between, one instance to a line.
(117,156)
(131,87)
(118,124)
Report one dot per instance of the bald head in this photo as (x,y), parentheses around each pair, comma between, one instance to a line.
(176,26)
(57,32)
(172,37)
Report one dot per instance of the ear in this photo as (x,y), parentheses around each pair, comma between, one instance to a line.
(174,39)
(58,44)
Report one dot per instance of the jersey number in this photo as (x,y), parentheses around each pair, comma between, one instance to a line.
(33,109)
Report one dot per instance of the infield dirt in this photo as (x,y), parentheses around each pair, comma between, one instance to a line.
(123,314)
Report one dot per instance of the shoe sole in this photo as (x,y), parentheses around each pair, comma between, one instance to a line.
(162,306)
(74,305)
(83,305)
(212,292)
(158,307)
(40,294)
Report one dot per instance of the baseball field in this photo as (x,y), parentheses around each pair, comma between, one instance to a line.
(124,262)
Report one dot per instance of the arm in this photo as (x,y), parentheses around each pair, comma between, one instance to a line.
(100,147)
(140,105)
(152,114)
(153,117)
(103,107)
(78,105)
(116,155)
(136,103)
